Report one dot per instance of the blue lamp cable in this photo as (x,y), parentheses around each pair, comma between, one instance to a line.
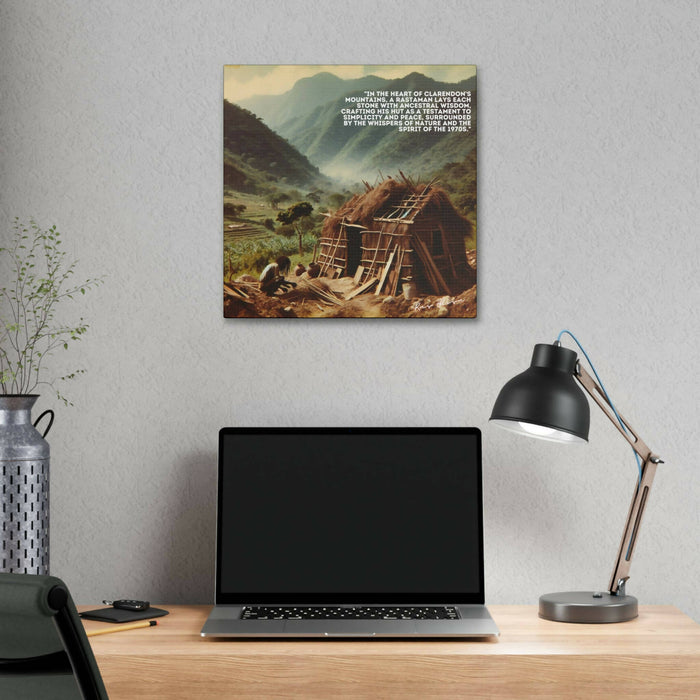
(607,397)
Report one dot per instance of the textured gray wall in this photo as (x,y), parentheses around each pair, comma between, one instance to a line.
(110,126)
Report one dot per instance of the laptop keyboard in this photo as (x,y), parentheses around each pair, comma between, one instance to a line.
(362,612)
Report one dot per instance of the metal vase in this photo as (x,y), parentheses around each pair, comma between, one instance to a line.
(24,477)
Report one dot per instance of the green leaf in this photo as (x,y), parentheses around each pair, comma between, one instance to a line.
(41,272)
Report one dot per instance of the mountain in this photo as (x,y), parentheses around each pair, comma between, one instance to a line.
(255,157)
(307,94)
(359,152)
(459,180)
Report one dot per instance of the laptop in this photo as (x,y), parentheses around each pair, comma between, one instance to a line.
(349,533)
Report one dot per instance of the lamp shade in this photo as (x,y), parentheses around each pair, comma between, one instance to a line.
(545,400)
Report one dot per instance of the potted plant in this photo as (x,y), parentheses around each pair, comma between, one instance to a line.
(40,281)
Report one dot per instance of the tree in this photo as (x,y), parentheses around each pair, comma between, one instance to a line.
(233,210)
(269,224)
(292,215)
(286,230)
(272,197)
(309,223)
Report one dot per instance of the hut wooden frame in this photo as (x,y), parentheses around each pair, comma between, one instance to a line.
(416,235)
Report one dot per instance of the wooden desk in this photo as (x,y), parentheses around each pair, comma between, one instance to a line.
(656,655)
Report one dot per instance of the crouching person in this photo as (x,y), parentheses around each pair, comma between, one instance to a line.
(272,277)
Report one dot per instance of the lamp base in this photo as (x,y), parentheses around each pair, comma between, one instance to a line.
(587,607)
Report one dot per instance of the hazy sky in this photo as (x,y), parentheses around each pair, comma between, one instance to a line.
(241,82)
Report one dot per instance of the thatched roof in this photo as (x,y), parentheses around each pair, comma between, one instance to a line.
(390,199)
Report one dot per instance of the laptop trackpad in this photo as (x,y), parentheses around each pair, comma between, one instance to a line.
(350,628)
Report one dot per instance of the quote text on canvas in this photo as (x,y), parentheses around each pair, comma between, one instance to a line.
(410,110)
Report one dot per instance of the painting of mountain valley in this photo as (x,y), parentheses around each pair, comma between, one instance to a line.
(349,191)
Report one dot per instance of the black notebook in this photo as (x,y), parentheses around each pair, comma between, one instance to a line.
(118,615)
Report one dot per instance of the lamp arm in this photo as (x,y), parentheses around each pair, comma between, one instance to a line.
(639,499)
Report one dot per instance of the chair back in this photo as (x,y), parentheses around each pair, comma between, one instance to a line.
(44,652)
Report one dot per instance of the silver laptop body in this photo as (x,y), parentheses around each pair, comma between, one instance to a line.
(349,532)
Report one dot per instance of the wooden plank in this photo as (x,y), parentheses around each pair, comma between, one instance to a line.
(440,278)
(393,274)
(429,271)
(362,289)
(394,221)
(358,274)
(426,267)
(448,253)
(428,261)
(411,203)
(380,273)
(322,292)
(387,267)
(234,291)
(397,276)
(376,252)
(327,263)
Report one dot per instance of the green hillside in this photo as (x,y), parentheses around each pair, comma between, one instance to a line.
(459,179)
(255,157)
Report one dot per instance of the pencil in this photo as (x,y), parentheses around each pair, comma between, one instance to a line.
(122,628)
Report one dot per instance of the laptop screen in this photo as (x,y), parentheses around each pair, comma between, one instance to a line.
(350,515)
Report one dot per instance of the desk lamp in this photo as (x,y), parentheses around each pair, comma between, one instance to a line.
(546,402)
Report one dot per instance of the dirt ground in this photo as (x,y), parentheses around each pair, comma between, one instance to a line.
(305,302)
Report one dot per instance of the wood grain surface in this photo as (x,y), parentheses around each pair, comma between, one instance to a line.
(656,655)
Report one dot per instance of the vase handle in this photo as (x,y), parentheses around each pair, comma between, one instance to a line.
(51,413)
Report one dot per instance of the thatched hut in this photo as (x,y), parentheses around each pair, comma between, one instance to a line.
(398,231)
